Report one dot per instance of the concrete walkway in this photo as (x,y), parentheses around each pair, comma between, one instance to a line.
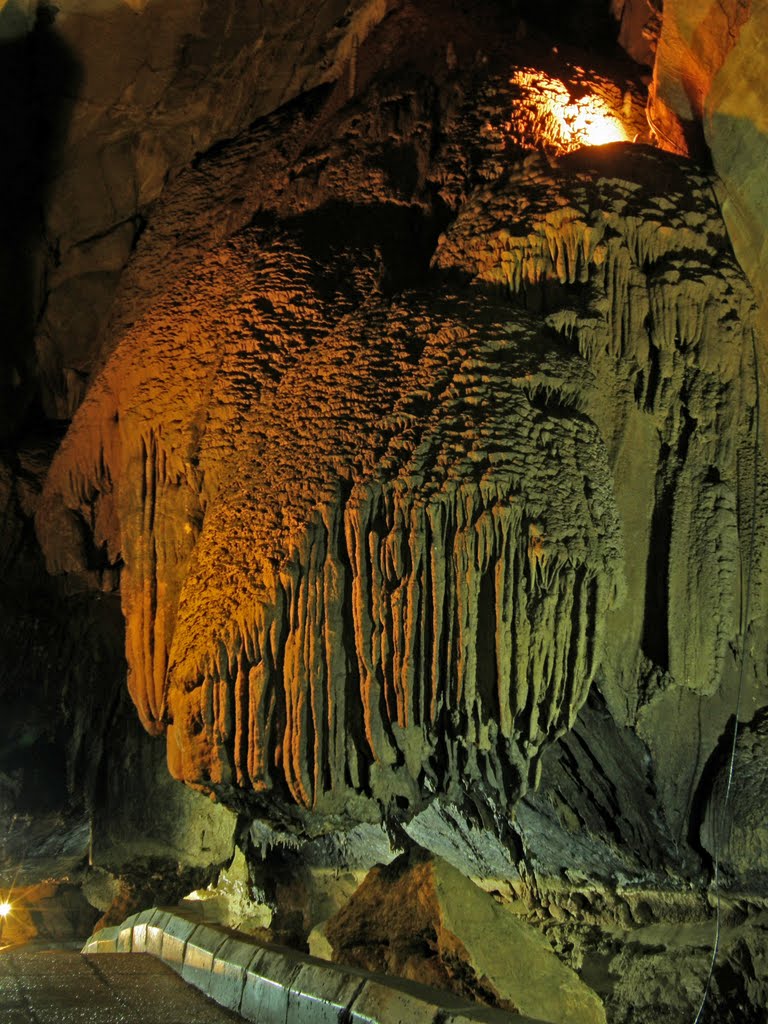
(270,985)
(70,988)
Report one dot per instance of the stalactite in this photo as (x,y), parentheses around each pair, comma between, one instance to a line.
(454,633)
(371,544)
(668,307)
(416,602)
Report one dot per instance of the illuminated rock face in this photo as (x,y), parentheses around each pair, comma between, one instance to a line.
(709,88)
(391,576)
(121,95)
(736,129)
(562,117)
(423,920)
(375,541)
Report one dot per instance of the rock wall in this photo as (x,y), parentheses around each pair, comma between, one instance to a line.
(693,44)
(422,449)
(378,544)
(708,98)
(419,918)
(122,96)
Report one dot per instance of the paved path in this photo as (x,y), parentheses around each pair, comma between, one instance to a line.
(68,988)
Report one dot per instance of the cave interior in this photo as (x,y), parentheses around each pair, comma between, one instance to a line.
(384,492)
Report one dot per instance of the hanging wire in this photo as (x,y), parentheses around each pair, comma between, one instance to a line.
(658,132)
(719,822)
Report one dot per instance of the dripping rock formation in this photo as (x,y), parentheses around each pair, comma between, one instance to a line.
(394,457)
(371,535)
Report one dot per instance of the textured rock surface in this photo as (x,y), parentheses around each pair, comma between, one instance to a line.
(596,796)
(421,919)
(375,544)
(47,914)
(123,96)
(694,42)
(734,826)
(426,468)
(736,130)
(177,825)
(639,23)
(709,86)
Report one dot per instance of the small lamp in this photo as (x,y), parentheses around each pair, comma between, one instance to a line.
(5,909)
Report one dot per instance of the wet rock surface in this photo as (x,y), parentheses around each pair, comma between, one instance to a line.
(97,988)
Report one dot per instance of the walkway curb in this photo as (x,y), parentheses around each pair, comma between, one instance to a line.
(271,985)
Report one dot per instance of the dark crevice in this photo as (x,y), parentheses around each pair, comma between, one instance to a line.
(39,83)
(655,640)
(485,649)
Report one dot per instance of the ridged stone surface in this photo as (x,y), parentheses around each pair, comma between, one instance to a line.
(373,537)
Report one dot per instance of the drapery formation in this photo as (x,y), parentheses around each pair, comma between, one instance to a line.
(372,544)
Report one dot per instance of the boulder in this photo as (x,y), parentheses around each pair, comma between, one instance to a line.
(421,919)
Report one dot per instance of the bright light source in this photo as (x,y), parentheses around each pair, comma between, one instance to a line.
(5,909)
(590,123)
(547,115)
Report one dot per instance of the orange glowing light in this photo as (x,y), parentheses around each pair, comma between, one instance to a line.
(5,909)
(588,122)
(548,115)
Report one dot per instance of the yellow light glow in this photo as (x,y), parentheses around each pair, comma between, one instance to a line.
(546,115)
(589,122)
(5,909)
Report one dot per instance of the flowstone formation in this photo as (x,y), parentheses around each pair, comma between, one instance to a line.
(376,541)
(391,576)
(422,451)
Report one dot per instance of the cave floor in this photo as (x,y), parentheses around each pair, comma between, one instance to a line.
(66,987)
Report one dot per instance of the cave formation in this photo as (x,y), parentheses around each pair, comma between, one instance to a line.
(383,486)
